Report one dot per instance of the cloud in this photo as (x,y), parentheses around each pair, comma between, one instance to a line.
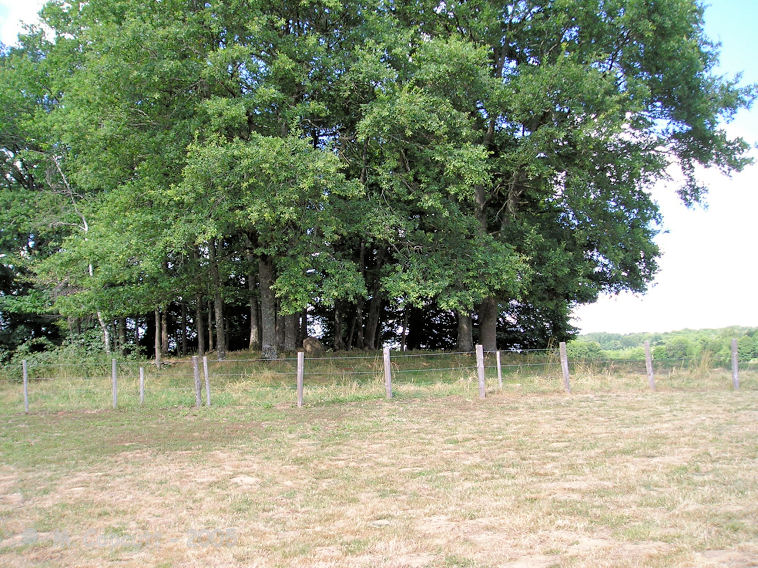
(15,13)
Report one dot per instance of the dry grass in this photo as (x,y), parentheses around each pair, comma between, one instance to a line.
(610,479)
(244,381)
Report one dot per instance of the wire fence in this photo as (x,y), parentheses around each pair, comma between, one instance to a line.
(101,384)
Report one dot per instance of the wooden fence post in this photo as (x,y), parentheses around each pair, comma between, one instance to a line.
(387,373)
(649,366)
(480,370)
(196,374)
(26,386)
(565,367)
(735,366)
(300,372)
(141,385)
(114,380)
(499,370)
(207,381)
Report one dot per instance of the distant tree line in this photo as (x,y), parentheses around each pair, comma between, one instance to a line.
(185,176)
(674,346)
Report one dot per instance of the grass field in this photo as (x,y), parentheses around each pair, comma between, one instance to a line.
(523,478)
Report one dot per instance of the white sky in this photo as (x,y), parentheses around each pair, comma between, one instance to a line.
(12,13)
(708,274)
(709,266)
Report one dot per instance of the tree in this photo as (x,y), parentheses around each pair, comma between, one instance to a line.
(594,101)
(285,196)
(35,209)
(361,159)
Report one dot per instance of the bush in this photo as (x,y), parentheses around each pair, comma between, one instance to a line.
(82,355)
(678,348)
(584,350)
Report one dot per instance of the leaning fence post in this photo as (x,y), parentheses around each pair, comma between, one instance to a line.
(387,373)
(141,385)
(300,371)
(499,370)
(565,366)
(649,366)
(196,374)
(735,366)
(114,381)
(26,386)
(480,370)
(207,381)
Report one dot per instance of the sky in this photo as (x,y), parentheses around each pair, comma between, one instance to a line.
(708,274)
(12,13)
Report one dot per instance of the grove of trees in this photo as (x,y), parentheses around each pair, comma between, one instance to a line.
(184,175)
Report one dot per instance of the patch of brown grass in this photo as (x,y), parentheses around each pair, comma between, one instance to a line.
(648,479)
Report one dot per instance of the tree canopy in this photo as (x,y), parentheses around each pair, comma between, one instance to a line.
(366,168)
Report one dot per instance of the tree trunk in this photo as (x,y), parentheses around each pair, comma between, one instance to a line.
(164,331)
(268,308)
(339,343)
(302,331)
(404,337)
(218,305)
(200,324)
(359,335)
(372,325)
(184,328)
(158,337)
(227,332)
(351,333)
(465,332)
(218,302)
(255,332)
(211,346)
(279,327)
(255,329)
(488,312)
(372,339)
(106,333)
(360,303)
(85,229)
(121,328)
(416,328)
(488,309)
(290,332)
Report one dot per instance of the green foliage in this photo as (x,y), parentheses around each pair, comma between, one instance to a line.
(80,354)
(677,346)
(584,350)
(383,155)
